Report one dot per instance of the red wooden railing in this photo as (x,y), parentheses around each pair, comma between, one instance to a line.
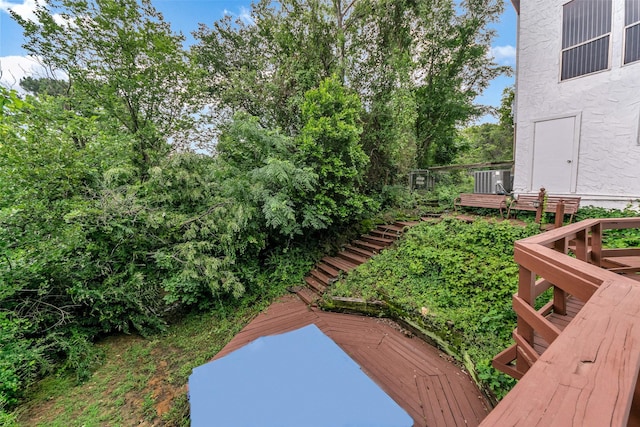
(583,373)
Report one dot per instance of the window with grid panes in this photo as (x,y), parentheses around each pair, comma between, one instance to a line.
(631,31)
(586,34)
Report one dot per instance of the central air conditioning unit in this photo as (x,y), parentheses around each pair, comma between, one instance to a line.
(492,182)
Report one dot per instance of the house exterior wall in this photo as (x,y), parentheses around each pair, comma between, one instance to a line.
(605,168)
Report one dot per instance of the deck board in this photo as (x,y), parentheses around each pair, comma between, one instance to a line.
(432,390)
(415,358)
(624,261)
(574,305)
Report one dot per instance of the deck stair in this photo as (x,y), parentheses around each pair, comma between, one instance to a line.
(329,269)
(373,247)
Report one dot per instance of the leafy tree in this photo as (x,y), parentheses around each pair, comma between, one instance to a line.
(45,85)
(330,144)
(505,111)
(381,72)
(490,142)
(43,175)
(265,67)
(263,170)
(452,56)
(123,58)
(87,248)
(417,66)
(307,183)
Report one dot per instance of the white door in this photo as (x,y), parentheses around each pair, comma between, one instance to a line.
(555,155)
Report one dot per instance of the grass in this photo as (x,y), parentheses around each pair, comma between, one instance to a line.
(141,382)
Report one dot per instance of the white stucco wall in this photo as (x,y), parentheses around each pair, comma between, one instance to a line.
(606,104)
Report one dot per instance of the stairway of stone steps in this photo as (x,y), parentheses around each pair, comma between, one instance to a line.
(329,269)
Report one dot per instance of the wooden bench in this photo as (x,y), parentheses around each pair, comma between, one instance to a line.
(530,202)
(489,201)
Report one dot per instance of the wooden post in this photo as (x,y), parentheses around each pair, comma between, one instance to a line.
(560,296)
(582,245)
(559,214)
(540,206)
(596,244)
(559,301)
(526,286)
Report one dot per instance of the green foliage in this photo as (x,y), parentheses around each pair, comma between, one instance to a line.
(455,53)
(622,238)
(487,142)
(135,373)
(397,196)
(490,142)
(262,168)
(505,111)
(304,184)
(448,187)
(87,248)
(455,276)
(21,359)
(51,241)
(416,66)
(265,67)
(329,144)
(45,86)
(123,59)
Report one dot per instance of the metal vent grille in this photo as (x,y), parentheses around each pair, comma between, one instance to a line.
(492,182)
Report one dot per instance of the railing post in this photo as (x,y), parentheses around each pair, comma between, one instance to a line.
(526,289)
(561,245)
(596,244)
(582,245)
(560,296)
(559,301)
(559,214)
(540,207)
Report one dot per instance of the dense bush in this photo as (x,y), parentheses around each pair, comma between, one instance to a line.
(88,245)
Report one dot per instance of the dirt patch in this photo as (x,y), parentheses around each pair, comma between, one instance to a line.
(133,387)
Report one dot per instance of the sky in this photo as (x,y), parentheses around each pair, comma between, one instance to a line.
(185,15)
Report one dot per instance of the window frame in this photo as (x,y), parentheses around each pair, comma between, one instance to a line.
(564,50)
(627,27)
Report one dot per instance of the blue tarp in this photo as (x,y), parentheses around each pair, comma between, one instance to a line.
(297,379)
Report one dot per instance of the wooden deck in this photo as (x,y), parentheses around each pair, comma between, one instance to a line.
(558,320)
(578,362)
(433,391)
